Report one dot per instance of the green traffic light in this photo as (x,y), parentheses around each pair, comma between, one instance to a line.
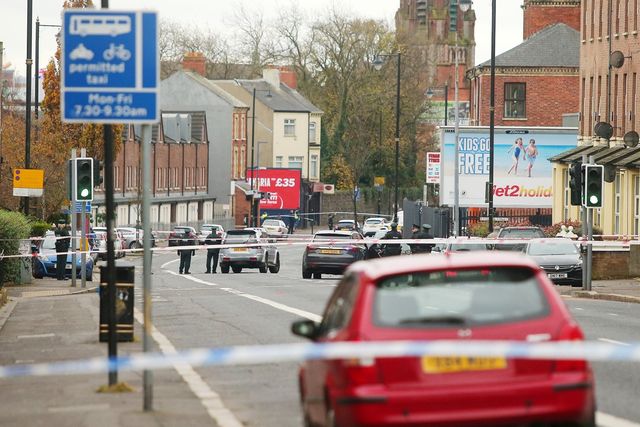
(593,200)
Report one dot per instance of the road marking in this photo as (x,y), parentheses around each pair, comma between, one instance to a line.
(80,408)
(612,314)
(578,308)
(274,304)
(209,398)
(613,341)
(169,262)
(606,420)
(37,336)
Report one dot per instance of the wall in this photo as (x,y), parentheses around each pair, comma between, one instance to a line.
(180,92)
(296,145)
(538,15)
(550,93)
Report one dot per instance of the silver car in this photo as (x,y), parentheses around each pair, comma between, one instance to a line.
(264,257)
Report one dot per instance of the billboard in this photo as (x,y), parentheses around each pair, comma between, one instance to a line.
(522,173)
(282,184)
(433,168)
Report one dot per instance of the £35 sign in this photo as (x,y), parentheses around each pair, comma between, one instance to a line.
(283,186)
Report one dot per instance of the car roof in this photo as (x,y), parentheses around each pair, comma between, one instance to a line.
(382,267)
(336,232)
(551,240)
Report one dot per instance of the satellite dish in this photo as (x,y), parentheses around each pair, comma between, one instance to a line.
(609,173)
(603,130)
(616,60)
(631,139)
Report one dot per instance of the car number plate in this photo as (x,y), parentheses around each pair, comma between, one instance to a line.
(443,365)
(240,250)
(330,251)
(557,275)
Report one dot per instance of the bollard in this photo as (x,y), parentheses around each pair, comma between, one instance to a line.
(125,278)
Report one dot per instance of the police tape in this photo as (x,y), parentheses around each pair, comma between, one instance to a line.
(289,353)
(459,242)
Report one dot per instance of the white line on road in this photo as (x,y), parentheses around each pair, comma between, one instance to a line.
(612,314)
(169,262)
(37,336)
(606,420)
(578,308)
(277,305)
(209,399)
(613,341)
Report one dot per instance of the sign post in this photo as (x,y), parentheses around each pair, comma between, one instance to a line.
(28,182)
(110,74)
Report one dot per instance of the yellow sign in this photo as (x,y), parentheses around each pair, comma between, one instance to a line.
(378,181)
(28,182)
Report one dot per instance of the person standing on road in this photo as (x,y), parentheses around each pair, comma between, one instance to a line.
(422,248)
(63,241)
(212,253)
(393,234)
(188,239)
(330,221)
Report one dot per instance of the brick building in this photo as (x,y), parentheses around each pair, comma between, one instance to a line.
(537,82)
(607,95)
(179,173)
(423,25)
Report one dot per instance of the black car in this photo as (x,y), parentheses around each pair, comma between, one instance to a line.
(326,253)
(559,258)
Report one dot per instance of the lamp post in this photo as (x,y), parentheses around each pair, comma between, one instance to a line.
(430,92)
(252,211)
(377,64)
(492,101)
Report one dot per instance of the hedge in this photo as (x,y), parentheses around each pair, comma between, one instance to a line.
(13,227)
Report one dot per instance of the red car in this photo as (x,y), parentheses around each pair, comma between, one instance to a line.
(450,297)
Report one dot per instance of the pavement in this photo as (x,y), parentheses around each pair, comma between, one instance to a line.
(49,321)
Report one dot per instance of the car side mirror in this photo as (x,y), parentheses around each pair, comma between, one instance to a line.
(305,328)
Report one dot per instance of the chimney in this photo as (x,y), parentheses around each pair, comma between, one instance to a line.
(288,77)
(194,61)
(272,76)
(539,14)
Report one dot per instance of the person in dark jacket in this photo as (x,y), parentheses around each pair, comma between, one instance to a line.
(212,253)
(393,234)
(63,241)
(330,221)
(188,239)
(424,234)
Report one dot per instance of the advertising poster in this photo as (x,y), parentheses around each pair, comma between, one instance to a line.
(283,186)
(522,173)
(433,168)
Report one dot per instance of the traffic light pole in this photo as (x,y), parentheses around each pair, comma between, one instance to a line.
(585,232)
(589,264)
(74,244)
(83,236)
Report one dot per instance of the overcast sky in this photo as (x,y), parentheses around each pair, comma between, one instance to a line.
(217,13)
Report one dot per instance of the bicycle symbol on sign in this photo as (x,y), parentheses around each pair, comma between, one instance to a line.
(116,51)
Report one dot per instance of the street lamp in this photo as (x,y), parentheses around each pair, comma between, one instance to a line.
(430,92)
(492,102)
(254,203)
(377,64)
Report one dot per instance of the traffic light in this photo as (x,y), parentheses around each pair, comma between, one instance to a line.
(84,179)
(593,185)
(98,166)
(453,16)
(575,183)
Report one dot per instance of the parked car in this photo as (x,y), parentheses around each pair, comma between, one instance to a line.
(207,229)
(458,297)
(134,237)
(372,225)
(264,257)
(517,233)
(44,264)
(466,246)
(347,224)
(100,243)
(178,231)
(325,253)
(559,258)
(275,227)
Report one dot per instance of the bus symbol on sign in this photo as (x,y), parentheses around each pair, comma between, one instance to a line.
(97,25)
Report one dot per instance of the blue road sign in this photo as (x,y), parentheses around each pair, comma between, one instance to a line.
(78,208)
(110,66)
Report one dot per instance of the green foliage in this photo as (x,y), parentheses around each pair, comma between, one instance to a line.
(13,227)
(479,229)
(38,228)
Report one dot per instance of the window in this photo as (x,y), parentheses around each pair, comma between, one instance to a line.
(236,131)
(278,161)
(289,127)
(312,132)
(617,185)
(314,165)
(116,176)
(340,307)
(243,127)
(295,162)
(636,205)
(514,101)
(235,163)
(567,194)
(243,162)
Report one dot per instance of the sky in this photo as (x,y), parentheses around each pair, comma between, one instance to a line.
(217,14)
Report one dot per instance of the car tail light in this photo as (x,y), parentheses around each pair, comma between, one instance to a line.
(360,371)
(570,332)
(353,249)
